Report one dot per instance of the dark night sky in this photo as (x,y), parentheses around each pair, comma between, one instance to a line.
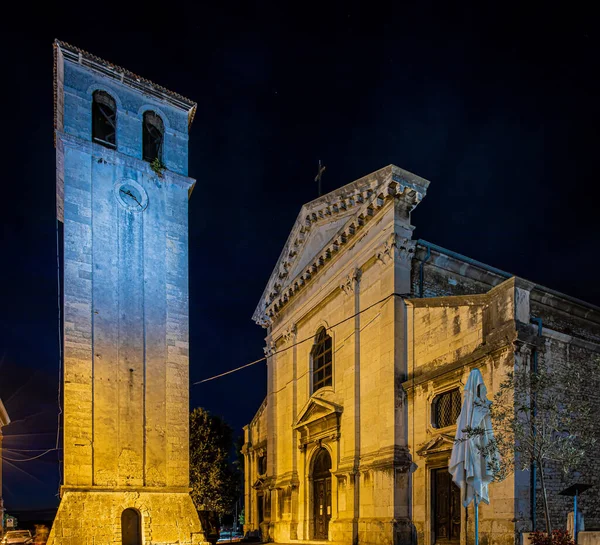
(498,108)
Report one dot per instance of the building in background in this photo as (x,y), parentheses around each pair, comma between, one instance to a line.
(371,336)
(4,421)
(122,195)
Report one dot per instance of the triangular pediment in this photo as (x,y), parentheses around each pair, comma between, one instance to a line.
(316,409)
(319,237)
(440,443)
(324,227)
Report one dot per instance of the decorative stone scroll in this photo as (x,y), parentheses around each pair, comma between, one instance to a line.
(290,333)
(405,249)
(349,283)
(270,349)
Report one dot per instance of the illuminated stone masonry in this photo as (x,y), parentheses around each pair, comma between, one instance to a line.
(122,195)
(4,421)
(389,327)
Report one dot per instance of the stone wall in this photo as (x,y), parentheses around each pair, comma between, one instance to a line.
(255,453)
(449,336)
(560,350)
(4,421)
(166,517)
(571,331)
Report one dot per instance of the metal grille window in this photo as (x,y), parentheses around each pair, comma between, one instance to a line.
(322,361)
(154,130)
(104,119)
(446,408)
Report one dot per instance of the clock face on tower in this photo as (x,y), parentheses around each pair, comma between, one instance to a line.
(131,195)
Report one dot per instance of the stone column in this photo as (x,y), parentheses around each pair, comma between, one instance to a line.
(352,287)
(247,482)
(290,337)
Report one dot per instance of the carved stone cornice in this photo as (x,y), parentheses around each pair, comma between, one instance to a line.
(439,444)
(353,205)
(385,253)
(349,284)
(402,247)
(290,333)
(523,352)
(405,249)
(270,349)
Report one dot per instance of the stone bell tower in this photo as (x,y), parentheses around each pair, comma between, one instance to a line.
(122,195)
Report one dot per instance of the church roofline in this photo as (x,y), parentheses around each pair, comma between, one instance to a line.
(363,198)
(79,56)
(505,275)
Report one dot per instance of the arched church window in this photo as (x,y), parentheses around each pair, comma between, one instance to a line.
(446,408)
(322,360)
(104,119)
(153,136)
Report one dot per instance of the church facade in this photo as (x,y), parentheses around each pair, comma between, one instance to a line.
(371,335)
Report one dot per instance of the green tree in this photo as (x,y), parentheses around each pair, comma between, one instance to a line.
(213,478)
(542,417)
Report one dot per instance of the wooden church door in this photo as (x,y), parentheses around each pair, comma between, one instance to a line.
(131,527)
(446,508)
(322,494)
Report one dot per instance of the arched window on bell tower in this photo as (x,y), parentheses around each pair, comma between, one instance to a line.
(153,136)
(104,119)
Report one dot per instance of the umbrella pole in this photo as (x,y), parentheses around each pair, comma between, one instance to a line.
(476,521)
(575,517)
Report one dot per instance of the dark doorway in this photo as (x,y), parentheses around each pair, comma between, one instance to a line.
(131,527)
(261,510)
(446,508)
(321,475)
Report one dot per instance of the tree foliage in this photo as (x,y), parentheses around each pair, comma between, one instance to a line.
(213,478)
(542,416)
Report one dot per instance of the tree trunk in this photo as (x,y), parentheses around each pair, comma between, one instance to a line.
(545,500)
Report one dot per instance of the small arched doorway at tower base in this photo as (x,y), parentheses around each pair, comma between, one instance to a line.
(321,496)
(131,527)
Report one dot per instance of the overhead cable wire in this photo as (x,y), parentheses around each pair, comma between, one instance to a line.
(30,459)
(264,358)
(17,450)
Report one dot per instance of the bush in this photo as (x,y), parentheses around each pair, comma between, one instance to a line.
(558,537)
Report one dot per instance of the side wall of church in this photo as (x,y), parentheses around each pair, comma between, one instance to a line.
(570,333)
(435,274)
(449,336)
(255,456)
(569,339)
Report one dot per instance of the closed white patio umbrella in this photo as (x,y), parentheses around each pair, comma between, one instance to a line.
(471,469)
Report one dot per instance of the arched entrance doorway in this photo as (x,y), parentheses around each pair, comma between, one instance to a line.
(131,527)
(321,478)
